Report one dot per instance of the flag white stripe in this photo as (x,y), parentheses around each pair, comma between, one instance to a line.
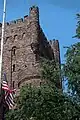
(4,82)
(9,94)
(4,87)
(8,103)
(9,100)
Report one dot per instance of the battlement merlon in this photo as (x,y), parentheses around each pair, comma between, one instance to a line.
(34,14)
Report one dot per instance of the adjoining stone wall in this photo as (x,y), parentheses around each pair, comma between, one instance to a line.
(45,49)
(24,44)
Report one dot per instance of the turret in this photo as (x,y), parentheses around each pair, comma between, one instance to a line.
(34,14)
(55,46)
(34,21)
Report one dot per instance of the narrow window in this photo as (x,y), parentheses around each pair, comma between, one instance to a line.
(14,68)
(13,84)
(40,83)
(7,38)
(13,51)
(25,65)
(18,85)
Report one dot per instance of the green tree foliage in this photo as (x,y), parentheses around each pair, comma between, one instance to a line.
(43,103)
(78,27)
(72,68)
(46,102)
(50,72)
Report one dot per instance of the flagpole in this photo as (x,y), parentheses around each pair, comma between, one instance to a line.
(2,40)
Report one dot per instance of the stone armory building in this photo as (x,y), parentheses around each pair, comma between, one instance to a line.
(24,44)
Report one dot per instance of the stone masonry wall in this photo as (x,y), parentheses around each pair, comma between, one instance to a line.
(24,43)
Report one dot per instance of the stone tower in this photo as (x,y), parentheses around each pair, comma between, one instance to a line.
(55,46)
(24,43)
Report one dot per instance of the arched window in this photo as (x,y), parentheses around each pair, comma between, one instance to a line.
(15,37)
(23,35)
(14,50)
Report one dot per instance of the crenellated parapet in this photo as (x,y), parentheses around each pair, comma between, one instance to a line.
(17,21)
(33,16)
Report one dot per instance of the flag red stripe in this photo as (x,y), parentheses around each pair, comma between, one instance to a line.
(8,94)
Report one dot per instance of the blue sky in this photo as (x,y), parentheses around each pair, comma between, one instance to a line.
(57,17)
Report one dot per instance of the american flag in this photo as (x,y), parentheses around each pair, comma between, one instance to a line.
(9,94)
